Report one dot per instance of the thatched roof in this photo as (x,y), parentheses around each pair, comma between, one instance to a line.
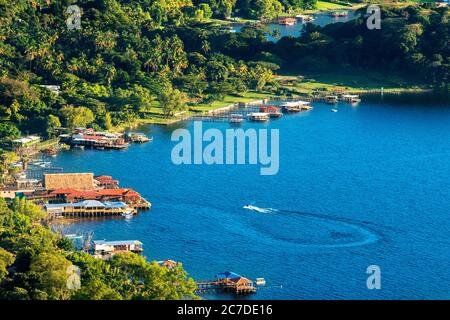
(78,181)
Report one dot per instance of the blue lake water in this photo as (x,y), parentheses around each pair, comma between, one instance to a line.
(320,19)
(368,185)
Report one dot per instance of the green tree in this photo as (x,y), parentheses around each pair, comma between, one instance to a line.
(207,12)
(8,132)
(53,123)
(172,101)
(77,116)
(108,121)
(6,259)
(51,272)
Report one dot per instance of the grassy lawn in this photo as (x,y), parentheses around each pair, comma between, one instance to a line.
(236,20)
(229,100)
(325,5)
(350,81)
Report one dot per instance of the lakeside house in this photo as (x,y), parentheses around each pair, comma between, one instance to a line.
(26,144)
(259,116)
(88,208)
(168,263)
(76,188)
(136,137)
(106,249)
(8,193)
(125,195)
(53,88)
(229,281)
(106,182)
(296,106)
(88,137)
(352,98)
(235,282)
(287,21)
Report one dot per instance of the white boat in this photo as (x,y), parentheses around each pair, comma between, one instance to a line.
(260,282)
(304,18)
(259,116)
(73,236)
(334,110)
(352,98)
(236,118)
(331,99)
(128,215)
(250,207)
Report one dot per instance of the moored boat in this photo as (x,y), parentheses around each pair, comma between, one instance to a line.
(259,116)
(128,214)
(338,14)
(332,99)
(352,98)
(236,118)
(304,18)
(296,106)
(274,112)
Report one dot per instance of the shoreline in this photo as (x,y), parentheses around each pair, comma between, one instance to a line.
(264,99)
(326,7)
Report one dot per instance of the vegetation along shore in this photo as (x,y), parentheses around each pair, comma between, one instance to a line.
(156,62)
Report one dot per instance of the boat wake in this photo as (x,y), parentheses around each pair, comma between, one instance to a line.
(336,232)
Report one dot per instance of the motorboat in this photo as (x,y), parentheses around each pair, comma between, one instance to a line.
(259,116)
(236,118)
(254,208)
(128,215)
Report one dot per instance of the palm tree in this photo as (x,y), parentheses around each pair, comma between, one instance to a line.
(31,53)
(206,46)
(110,74)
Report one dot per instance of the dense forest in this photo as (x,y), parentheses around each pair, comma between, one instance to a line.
(36,263)
(413,40)
(130,56)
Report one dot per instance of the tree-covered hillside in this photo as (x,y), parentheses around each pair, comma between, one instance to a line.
(413,41)
(126,56)
(129,57)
